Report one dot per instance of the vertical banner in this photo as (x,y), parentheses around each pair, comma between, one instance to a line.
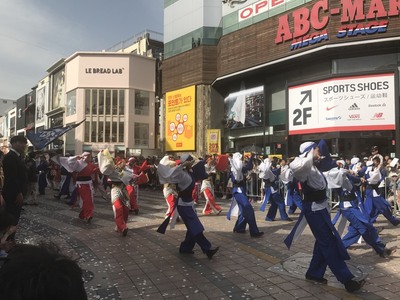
(213,141)
(180,120)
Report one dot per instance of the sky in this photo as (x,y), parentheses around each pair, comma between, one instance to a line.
(35,34)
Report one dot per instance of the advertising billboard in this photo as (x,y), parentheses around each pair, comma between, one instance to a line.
(353,103)
(213,141)
(180,120)
(244,108)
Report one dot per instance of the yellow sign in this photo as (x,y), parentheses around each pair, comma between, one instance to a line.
(213,141)
(180,120)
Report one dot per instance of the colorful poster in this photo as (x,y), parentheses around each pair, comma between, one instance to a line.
(180,120)
(353,103)
(213,141)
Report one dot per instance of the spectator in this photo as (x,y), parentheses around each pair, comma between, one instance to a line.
(40,272)
(15,178)
(30,163)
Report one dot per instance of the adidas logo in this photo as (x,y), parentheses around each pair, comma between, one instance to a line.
(354,107)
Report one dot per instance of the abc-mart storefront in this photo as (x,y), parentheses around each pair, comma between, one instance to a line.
(307,70)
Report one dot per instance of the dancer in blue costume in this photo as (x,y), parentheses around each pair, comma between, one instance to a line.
(375,203)
(347,187)
(270,175)
(328,249)
(246,211)
(185,176)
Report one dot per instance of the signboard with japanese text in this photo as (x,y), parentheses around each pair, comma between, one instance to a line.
(354,103)
(180,119)
(213,141)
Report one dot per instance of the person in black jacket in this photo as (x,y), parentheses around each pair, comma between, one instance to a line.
(15,177)
(31,168)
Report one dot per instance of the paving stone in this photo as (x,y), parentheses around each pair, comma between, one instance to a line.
(147,265)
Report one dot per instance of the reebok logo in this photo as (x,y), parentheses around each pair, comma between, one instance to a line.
(354,107)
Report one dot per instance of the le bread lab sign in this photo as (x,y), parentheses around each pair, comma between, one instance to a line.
(308,25)
(104,70)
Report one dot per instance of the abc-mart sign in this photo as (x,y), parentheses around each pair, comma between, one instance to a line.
(308,26)
(351,103)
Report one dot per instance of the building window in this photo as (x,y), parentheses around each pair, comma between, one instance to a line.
(121,102)
(71,103)
(58,89)
(278,100)
(105,110)
(141,135)
(142,102)
(57,121)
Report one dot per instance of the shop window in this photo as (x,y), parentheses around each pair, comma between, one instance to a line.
(244,108)
(87,132)
(114,131)
(94,132)
(121,132)
(100,137)
(107,132)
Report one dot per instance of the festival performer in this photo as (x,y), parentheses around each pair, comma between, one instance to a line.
(345,184)
(170,194)
(269,173)
(85,169)
(293,190)
(184,176)
(374,202)
(138,177)
(207,190)
(118,177)
(239,200)
(328,249)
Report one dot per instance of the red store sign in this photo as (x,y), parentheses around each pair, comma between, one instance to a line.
(309,24)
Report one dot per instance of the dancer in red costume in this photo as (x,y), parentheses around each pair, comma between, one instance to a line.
(84,184)
(118,177)
(207,190)
(84,170)
(133,186)
(170,194)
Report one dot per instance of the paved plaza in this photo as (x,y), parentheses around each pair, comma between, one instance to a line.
(147,265)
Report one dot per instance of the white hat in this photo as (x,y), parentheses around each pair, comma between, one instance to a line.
(354,160)
(391,174)
(341,161)
(369,163)
(394,162)
(85,154)
(306,147)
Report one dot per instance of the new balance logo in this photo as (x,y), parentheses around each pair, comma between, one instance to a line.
(354,107)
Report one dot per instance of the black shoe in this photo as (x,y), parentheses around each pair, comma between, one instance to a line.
(210,253)
(387,252)
(136,211)
(354,285)
(125,232)
(288,220)
(315,279)
(239,231)
(258,234)
(186,251)
(89,220)
(57,197)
